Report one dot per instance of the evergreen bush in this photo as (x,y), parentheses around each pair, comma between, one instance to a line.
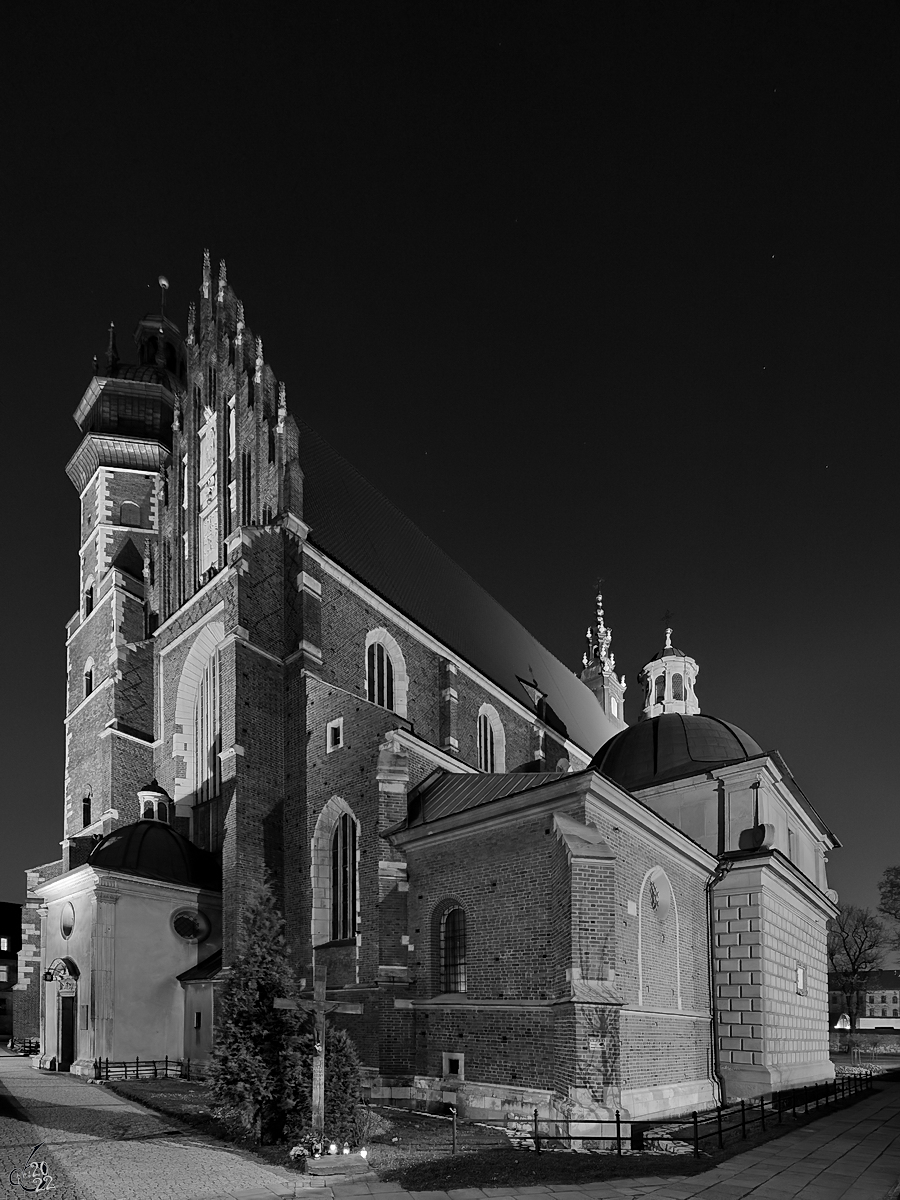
(260,1070)
(260,1065)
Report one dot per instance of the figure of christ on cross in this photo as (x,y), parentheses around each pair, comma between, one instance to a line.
(319,1006)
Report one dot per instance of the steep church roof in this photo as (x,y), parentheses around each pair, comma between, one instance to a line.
(154,850)
(365,533)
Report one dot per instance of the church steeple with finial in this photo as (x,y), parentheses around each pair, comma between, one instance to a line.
(599,665)
(669,680)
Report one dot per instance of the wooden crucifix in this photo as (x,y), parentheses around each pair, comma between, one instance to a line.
(319,1007)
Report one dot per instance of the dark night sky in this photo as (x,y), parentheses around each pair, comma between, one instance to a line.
(585,289)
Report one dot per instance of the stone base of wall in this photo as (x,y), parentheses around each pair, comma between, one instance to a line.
(748,1081)
(670,1100)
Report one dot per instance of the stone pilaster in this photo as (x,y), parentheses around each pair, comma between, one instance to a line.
(449,734)
(103,970)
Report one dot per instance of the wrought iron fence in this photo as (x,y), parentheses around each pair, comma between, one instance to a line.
(24,1045)
(148,1068)
(697,1127)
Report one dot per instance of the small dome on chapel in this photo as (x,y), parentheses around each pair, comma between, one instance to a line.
(155,850)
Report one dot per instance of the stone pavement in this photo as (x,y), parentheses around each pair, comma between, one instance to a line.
(101,1147)
(98,1146)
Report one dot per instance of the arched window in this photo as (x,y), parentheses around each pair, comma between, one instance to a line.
(660,689)
(334,873)
(88,677)
(485,744)
(129,513)
(208,733)
(379,676)
(491,740)
(386,680)
(677,687)
(197,739)
(453,950)
(89,596)
(85,811)
(155,810)
(343,878)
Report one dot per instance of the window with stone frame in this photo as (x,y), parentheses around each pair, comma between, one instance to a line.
(491,741)
(453,950)
(379,676)
(343,878)
(208,733)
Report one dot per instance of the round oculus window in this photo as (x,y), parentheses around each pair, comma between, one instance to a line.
(191,925)
(67,919)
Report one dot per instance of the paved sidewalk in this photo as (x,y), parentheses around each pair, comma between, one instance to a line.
(100,1147)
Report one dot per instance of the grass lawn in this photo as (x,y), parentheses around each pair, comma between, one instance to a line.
(414,1149)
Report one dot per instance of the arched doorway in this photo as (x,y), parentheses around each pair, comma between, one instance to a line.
(65,974)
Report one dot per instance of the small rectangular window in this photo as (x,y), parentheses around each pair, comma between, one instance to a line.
(4,944)
(334,734)
(4,974)
(453,1065)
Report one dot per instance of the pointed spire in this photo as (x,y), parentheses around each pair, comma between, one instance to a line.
(223,280)
(207,275)
(239,336)
(282,406)
(192,321)
(257,378)
(600,663)
(112,353)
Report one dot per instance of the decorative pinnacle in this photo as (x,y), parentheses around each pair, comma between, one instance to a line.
(257,378)
(282,406)
(223,280)
(192,320)
(239,337)
(207,273)
(112,354)
(599,639)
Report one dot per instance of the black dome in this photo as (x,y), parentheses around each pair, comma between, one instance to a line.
(155,851)
(671,746)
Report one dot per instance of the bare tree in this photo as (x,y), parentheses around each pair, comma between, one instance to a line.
(889,887)
(857,942)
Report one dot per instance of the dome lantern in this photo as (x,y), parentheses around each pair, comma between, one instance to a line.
(669,681)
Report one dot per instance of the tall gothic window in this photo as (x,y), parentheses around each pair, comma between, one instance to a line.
(453,951)
(208,733)
(379,676)
(343,878)
(485,743)
(246,488)
(677,687)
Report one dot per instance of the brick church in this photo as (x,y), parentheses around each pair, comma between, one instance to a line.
(520,900)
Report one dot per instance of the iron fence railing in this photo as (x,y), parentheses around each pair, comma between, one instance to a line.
(148,1068)
(697,1127)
